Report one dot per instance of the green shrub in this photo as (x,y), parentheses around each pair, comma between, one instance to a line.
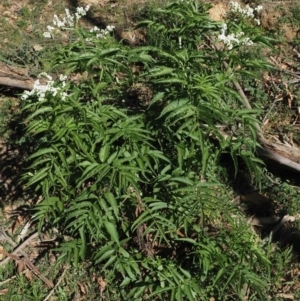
(127,151)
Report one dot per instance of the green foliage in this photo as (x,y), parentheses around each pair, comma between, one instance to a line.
(132,178)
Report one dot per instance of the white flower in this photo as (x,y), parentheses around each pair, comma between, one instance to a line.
(100,36)
(247,42)
(102,33)
(68,19)
(50,28)
(62,77)
(49,77)
(58,23)
(64,95)
(25,95)
(41,90)
(110,27)
(80,12)
(257,21)
(47,34)
(247,12)
(258,8)
(94,29)
(232,39)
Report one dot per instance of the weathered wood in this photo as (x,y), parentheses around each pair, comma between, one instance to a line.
(288,156)
(15,77)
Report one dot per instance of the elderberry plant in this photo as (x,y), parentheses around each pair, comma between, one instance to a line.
(127,157)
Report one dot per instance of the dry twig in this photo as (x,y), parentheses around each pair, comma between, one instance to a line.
(57,283)
(25,259)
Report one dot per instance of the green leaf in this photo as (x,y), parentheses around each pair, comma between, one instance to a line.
(42,152)
(112,230)
(171,80)
(181,180)
(104,152)
(159,71)
(105,255)
(125,282)
(112,201)
(110,261)
(112,157)
(188,292)
(109,51)
(40,111)
(158,154)
(124,253)
(41,174)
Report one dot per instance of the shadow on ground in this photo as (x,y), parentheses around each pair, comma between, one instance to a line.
(13,153)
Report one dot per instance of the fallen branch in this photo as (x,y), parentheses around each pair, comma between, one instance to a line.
(287,156)
(15,77)
(19,248)
(25,258)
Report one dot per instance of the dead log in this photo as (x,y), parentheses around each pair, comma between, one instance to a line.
(15,77)
(284,155)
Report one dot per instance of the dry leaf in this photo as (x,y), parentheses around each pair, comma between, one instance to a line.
(28,275)
(102,284)
(82,288)
(20,266)
(4,291)
(1,254)
(286,296)
(52,258)
(16,224)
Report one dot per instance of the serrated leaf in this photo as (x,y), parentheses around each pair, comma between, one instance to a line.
(174,105)
(124,252)
(158,154)
(105,255)
(41,152)
(112,230)
(160,71)
(125,282)
(104,152)
(170,81)
(110,261)
(40,111)
(112,201)
(38,176)
(182,180)
(112,157)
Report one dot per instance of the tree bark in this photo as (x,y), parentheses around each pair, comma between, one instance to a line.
(15,77)
(284,155)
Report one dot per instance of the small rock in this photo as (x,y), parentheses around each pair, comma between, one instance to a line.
(37,47)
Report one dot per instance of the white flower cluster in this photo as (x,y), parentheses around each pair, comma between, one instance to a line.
(102,33)
(247,12)
(67,21)
(40,90)
(232,39)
